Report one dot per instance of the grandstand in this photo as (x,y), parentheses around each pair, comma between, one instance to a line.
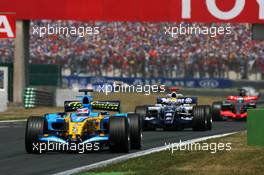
(142,50)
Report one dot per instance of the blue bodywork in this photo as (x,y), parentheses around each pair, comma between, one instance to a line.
(58,127)
(170,113)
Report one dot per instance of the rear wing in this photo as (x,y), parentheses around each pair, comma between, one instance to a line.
(71,106)
(182,100)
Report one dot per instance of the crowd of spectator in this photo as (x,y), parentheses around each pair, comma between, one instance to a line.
(6,50)
(143,50)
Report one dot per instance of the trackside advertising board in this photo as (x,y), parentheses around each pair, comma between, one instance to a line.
(83,82)
(7,26)
(240,11)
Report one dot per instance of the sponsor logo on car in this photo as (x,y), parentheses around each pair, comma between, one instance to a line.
(188,100)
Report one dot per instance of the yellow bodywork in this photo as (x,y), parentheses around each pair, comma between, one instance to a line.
(88,126)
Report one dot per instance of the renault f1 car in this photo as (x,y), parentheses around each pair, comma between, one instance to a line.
(175,112)
(85,122)
(235,107)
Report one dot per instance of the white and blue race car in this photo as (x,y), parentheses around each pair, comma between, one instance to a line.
(176,112)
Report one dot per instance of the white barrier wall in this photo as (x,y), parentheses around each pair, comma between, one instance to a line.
(65,94)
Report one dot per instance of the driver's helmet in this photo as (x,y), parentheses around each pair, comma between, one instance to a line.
(83,112)
(243,92)
(240,100)
(173,95)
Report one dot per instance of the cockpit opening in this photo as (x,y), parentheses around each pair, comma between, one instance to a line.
(85,101)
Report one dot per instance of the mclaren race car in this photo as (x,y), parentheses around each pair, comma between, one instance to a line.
(175,112)
(235,107)
(85,122)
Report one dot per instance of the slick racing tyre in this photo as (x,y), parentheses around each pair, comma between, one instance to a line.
(119,136)
(216,111)
(36,126)
(208,115)
(135,129)
(141,111)
(199,118)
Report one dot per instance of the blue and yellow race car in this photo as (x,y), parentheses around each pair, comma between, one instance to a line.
(87,123)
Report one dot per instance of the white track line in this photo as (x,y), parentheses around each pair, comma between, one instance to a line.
(12,121)
(134,155)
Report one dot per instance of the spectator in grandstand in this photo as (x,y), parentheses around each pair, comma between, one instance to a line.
(143,50)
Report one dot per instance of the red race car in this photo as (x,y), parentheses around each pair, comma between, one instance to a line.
(235,107)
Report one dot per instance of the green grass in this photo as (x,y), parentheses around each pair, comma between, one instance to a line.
(128,103)
(241,160)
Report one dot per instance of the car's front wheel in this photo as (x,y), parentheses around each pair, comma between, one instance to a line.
(208,116)
(199,119)
(36,126)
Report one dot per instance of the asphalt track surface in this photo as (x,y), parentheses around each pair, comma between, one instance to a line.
(15,160)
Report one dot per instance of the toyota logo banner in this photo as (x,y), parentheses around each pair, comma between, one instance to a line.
(238,11)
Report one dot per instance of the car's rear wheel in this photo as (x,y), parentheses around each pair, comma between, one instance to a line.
(216,111)
(135,129)
(208,115)
(36,127)
(199,118)
(119,136)
(141,111)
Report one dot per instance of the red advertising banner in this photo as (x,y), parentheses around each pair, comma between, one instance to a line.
(7,26)
(242,11)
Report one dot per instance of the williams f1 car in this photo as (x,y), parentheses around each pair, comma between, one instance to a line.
(175,112)
(235,107)
(86,122)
